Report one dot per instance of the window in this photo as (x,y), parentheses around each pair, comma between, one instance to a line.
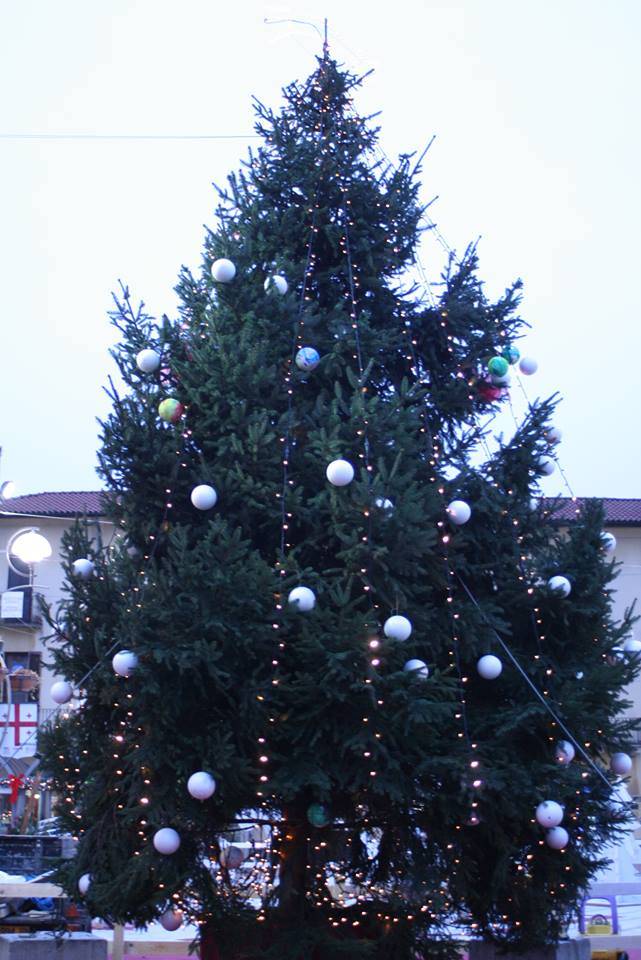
(25,661)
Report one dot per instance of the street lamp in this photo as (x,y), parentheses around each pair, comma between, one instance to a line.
(29,546)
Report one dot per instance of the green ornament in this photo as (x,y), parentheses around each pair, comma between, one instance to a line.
(170,410)
(498,366)
(318,815)
(511,354)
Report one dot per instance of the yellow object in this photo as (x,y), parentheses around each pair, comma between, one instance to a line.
(605,954)
(599,926)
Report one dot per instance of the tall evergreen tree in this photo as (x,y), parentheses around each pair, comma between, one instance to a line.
(387,789)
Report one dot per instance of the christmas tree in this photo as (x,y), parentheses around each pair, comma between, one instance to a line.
(344,687)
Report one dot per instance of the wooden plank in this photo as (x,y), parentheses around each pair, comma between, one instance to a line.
(9,891)
(118,944)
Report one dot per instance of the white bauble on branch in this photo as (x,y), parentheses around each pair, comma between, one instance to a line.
(148,360)
(459,512)
(528,366)
(546,466)
(124,662)
(340,473)
(564,752)
(384,504)
(609,542)
(201,785)
(417,667)
(397,627)
(621,764)
(557,838)
(171,919)
(302,598)
(83,568)
(166,840)
(84,883)
(223,270)
(276,284)
(489,667)
(553,435)
(204,497)
(61,691)
(559,586)
(632,647)
(549,813)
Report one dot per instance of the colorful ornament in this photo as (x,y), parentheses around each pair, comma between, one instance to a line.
(397,628)
(201,785)
(553,435)
(276,283)
(83,568)
(560,586)
(498,366)
(489,392)
(621,764)
(418,667)
(223,271)
(204,497)
(545,465)
(307,358)
(511,354)
(84,883)
(61,691)
(549,813)
(564,752)
(340,473)
(302,598)
(557,838)
(528,366)
(459,512)
(489,667)
(609,542)
(148,360)
(318,815)
(166,840)
(171,919)
(170,410)
(124,663)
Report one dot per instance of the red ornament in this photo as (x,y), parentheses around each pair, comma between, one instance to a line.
(489,392)
(15,783)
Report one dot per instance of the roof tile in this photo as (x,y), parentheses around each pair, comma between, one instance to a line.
(57,504)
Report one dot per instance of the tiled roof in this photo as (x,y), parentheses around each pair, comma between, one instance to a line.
(58,504)
(618,512)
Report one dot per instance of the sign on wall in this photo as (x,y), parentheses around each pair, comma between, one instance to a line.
(12,605)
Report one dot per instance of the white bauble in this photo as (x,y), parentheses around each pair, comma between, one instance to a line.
(459,512)
(276,283)
(560,586)
(504,381)
(171,919)
(489,667)
(61,691)
(148,360)
(201,785)
(418,668)
(166,840)
(397,628)
(549,813)
(83,568)
(557,838)
(223,271)
(124,663)
(534,503)
(84,883)
(204,497)
(609,542)
(302,598)
(621,764)
(528,366)
(546,466)
(553,435)
(564,752)
(632,647)
(340,473)
(383,504)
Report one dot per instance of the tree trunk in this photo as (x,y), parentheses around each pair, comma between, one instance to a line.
(208,945)
(293,864)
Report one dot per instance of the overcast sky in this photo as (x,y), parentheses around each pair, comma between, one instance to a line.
(535,106)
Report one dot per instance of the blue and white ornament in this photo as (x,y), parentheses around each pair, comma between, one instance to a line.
(276,284)
(307,358)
